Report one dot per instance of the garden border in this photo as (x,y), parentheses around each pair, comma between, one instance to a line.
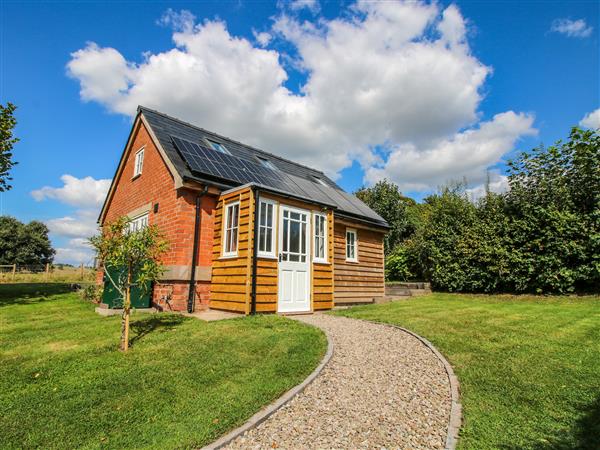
(270,409)
(455,419)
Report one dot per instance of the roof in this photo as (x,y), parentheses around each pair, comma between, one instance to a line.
(289,178)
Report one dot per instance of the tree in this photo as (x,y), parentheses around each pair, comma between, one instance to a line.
(138,253)
(24,244)
(399,211)
(7,141)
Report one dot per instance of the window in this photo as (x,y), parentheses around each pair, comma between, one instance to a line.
(218,147)
(320,227)
(351,245)
(319,180)
(230,236)
(138,223)
(266,234)
(139,163)
(266,163)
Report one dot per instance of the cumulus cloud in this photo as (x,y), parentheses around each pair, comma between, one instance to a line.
(591,120)
(572,28)
(263,38)
(397,76)
(82,192)
(466,155)
(297,5)
(81,225)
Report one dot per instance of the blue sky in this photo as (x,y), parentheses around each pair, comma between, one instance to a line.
(419,94)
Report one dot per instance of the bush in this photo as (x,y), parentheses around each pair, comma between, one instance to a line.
(92,293)
(396,265)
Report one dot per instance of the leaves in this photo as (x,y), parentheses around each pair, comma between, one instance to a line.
(24,244)
(7,141)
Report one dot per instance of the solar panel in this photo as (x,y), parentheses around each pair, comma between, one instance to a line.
(208,161)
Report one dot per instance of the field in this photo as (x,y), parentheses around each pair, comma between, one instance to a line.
(529,367)
(184,382)
(39,275)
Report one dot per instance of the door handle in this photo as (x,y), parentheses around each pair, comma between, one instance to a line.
(280,256)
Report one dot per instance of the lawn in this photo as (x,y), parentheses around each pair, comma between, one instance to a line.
(64,384)
(529,367)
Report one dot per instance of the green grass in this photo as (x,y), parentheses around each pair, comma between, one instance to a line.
(64,384)
(529,367)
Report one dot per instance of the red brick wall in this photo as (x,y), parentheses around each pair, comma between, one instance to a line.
(175,217)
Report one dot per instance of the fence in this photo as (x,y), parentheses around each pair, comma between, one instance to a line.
(15,273)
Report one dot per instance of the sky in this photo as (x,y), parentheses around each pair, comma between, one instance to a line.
(420,93)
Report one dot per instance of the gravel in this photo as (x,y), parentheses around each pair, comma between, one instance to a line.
(383,388)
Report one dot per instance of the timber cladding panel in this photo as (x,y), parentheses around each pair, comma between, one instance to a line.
(231,276)
(322,274)
(364,280)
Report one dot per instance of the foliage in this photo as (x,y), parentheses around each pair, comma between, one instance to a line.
(24,244)
(63,386)
(7,141)
(92,293)
(541,236)
(527,366)
(138,252)
(396,265)
(386,200)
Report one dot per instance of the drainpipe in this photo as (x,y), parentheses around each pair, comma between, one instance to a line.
(255,249)
(197,223)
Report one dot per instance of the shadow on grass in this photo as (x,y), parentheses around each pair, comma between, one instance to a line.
(585,434)
(27,293)
(147,325)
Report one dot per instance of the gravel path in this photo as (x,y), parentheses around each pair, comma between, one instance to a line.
(383,388)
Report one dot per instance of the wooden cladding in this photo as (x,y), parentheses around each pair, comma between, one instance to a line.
(232,276)
(363,280)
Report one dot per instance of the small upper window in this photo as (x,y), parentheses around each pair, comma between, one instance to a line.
(319,180)
(139,163)
(138,223)
(266,163)
(218,147)
(351,245)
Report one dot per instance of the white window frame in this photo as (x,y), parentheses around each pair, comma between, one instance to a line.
(262,253)
(139,222)
(139,162)
(354,232)
(222,148)
(228,208)
(316,258)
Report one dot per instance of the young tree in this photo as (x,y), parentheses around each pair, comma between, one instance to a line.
(7,141)
(137,253)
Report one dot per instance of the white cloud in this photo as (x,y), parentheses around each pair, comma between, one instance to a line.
(466,155)
(73,256)
(297,5)
(81,225)
(385,75)
(178,20)
(591,120)
(497,183)
(83,192)
(572,28)
(263,38)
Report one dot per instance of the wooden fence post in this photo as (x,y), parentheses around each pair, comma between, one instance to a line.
(14,271)
(47,270)
(82,271)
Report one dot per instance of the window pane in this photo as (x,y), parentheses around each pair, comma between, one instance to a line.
(295,216)
(269,242)
(303,238)
(261,239)
(285,235)
(294,237)
(269,215)
(234,239)
(294,257)
(263,213)
(236,213)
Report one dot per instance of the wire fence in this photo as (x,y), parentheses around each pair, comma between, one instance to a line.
(40,273)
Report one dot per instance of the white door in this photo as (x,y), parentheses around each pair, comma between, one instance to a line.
(294,260)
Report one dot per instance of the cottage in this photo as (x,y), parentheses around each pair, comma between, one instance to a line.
(249,231)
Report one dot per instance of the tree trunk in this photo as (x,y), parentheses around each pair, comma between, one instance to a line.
(126,310)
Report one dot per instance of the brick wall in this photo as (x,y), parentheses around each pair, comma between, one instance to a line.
(175,217)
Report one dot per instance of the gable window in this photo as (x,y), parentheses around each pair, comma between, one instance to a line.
(320,227)
(266,163)
(230,235)
(351,245)
(266,234)
(218,147)
(138,223)
(139,163)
